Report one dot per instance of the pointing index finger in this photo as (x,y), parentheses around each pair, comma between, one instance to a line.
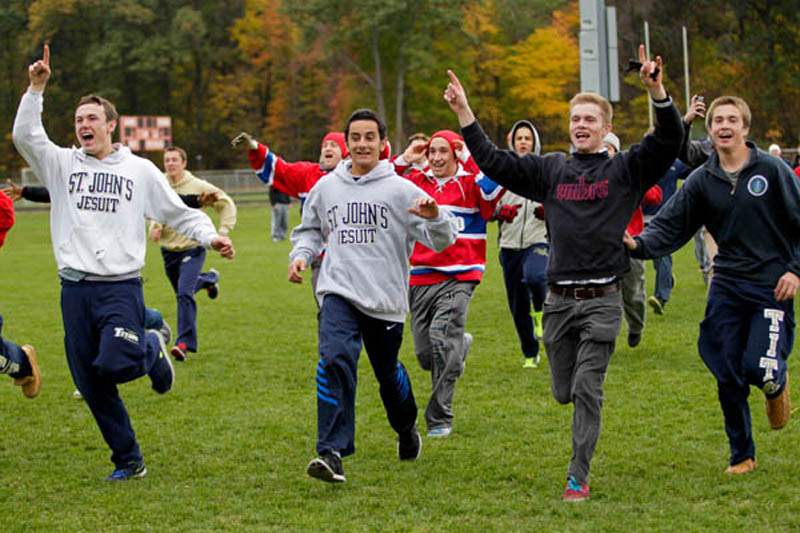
(453,78)
(46,54)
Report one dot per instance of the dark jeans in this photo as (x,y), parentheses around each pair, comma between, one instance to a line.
(342,330)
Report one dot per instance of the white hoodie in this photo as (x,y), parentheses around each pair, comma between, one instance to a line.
(98,206)
(370,235)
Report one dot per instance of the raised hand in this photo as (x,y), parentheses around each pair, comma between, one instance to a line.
(652,74)
(425,207)
(415,152)
(456,98)
(697,108)
(39,71)
(246,140)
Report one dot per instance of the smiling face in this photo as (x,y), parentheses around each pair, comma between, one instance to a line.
(364,144)
(329,155)
(441,159)
(727,128)
(587,127)
(174,165)
(93,130)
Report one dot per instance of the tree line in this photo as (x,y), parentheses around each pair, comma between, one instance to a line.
(288,71)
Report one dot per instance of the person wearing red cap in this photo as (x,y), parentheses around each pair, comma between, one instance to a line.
(442,283)
(296,179)
(19,362)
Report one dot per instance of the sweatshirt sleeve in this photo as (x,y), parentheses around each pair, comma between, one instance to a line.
(522,175)
(165,206)
(290,178)
(31,139)
(308,238)
(790,193)
(676,222)
(648,161)
(224,207)
(692,153)
(36,194)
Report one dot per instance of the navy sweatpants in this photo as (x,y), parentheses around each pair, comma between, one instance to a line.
(106,344)
(342,329)
(525,275)
(184,270)
(13,360)
(745,339)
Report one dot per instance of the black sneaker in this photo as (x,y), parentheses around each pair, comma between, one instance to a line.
(213,288)
(409,445)
(131,471)
(327,467)
(634,339)
(162,374)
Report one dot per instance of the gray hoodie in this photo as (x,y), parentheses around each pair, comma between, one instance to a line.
(525,230)
(368,235)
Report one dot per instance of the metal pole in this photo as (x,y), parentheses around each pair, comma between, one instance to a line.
(647,53)
(686,68)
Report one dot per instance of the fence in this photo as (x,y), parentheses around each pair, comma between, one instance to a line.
(241,184)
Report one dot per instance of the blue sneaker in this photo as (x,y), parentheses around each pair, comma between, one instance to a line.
(132,471)
(162,374)
(440,432)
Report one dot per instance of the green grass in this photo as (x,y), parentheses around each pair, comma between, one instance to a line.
(227,449)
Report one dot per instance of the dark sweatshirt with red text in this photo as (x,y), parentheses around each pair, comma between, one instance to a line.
(588,198)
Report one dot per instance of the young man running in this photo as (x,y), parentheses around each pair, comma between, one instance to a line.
(370,219)
(100,195)
(183,256)
(750,203)
(588,200)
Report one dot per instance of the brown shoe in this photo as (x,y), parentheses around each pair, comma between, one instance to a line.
(30,384)
(748,465)
(779,408)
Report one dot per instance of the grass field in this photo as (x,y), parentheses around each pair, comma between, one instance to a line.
(227,448)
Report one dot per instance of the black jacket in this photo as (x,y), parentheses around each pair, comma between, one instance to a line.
(588,198)
(756,224)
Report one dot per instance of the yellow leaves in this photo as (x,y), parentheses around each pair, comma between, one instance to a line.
(544,68)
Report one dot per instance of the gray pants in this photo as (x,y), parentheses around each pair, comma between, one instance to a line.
(438,317)
(633,297)
(579,337)
(280,221)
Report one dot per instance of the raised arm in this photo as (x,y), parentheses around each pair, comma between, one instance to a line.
(28,133)
(522,175)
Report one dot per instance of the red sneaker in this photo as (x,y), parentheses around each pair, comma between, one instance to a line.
(179,351)
(574,491)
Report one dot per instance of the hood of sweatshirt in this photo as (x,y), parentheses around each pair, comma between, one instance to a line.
(117,155)
(537,145)
(382,170)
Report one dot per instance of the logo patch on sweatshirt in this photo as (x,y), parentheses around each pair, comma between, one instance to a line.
(757,185)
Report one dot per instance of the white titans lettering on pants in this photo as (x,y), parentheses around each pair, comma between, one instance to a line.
(770,362)
(126,334)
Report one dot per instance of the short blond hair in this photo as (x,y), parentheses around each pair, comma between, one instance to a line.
(596,99)
(735,101)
